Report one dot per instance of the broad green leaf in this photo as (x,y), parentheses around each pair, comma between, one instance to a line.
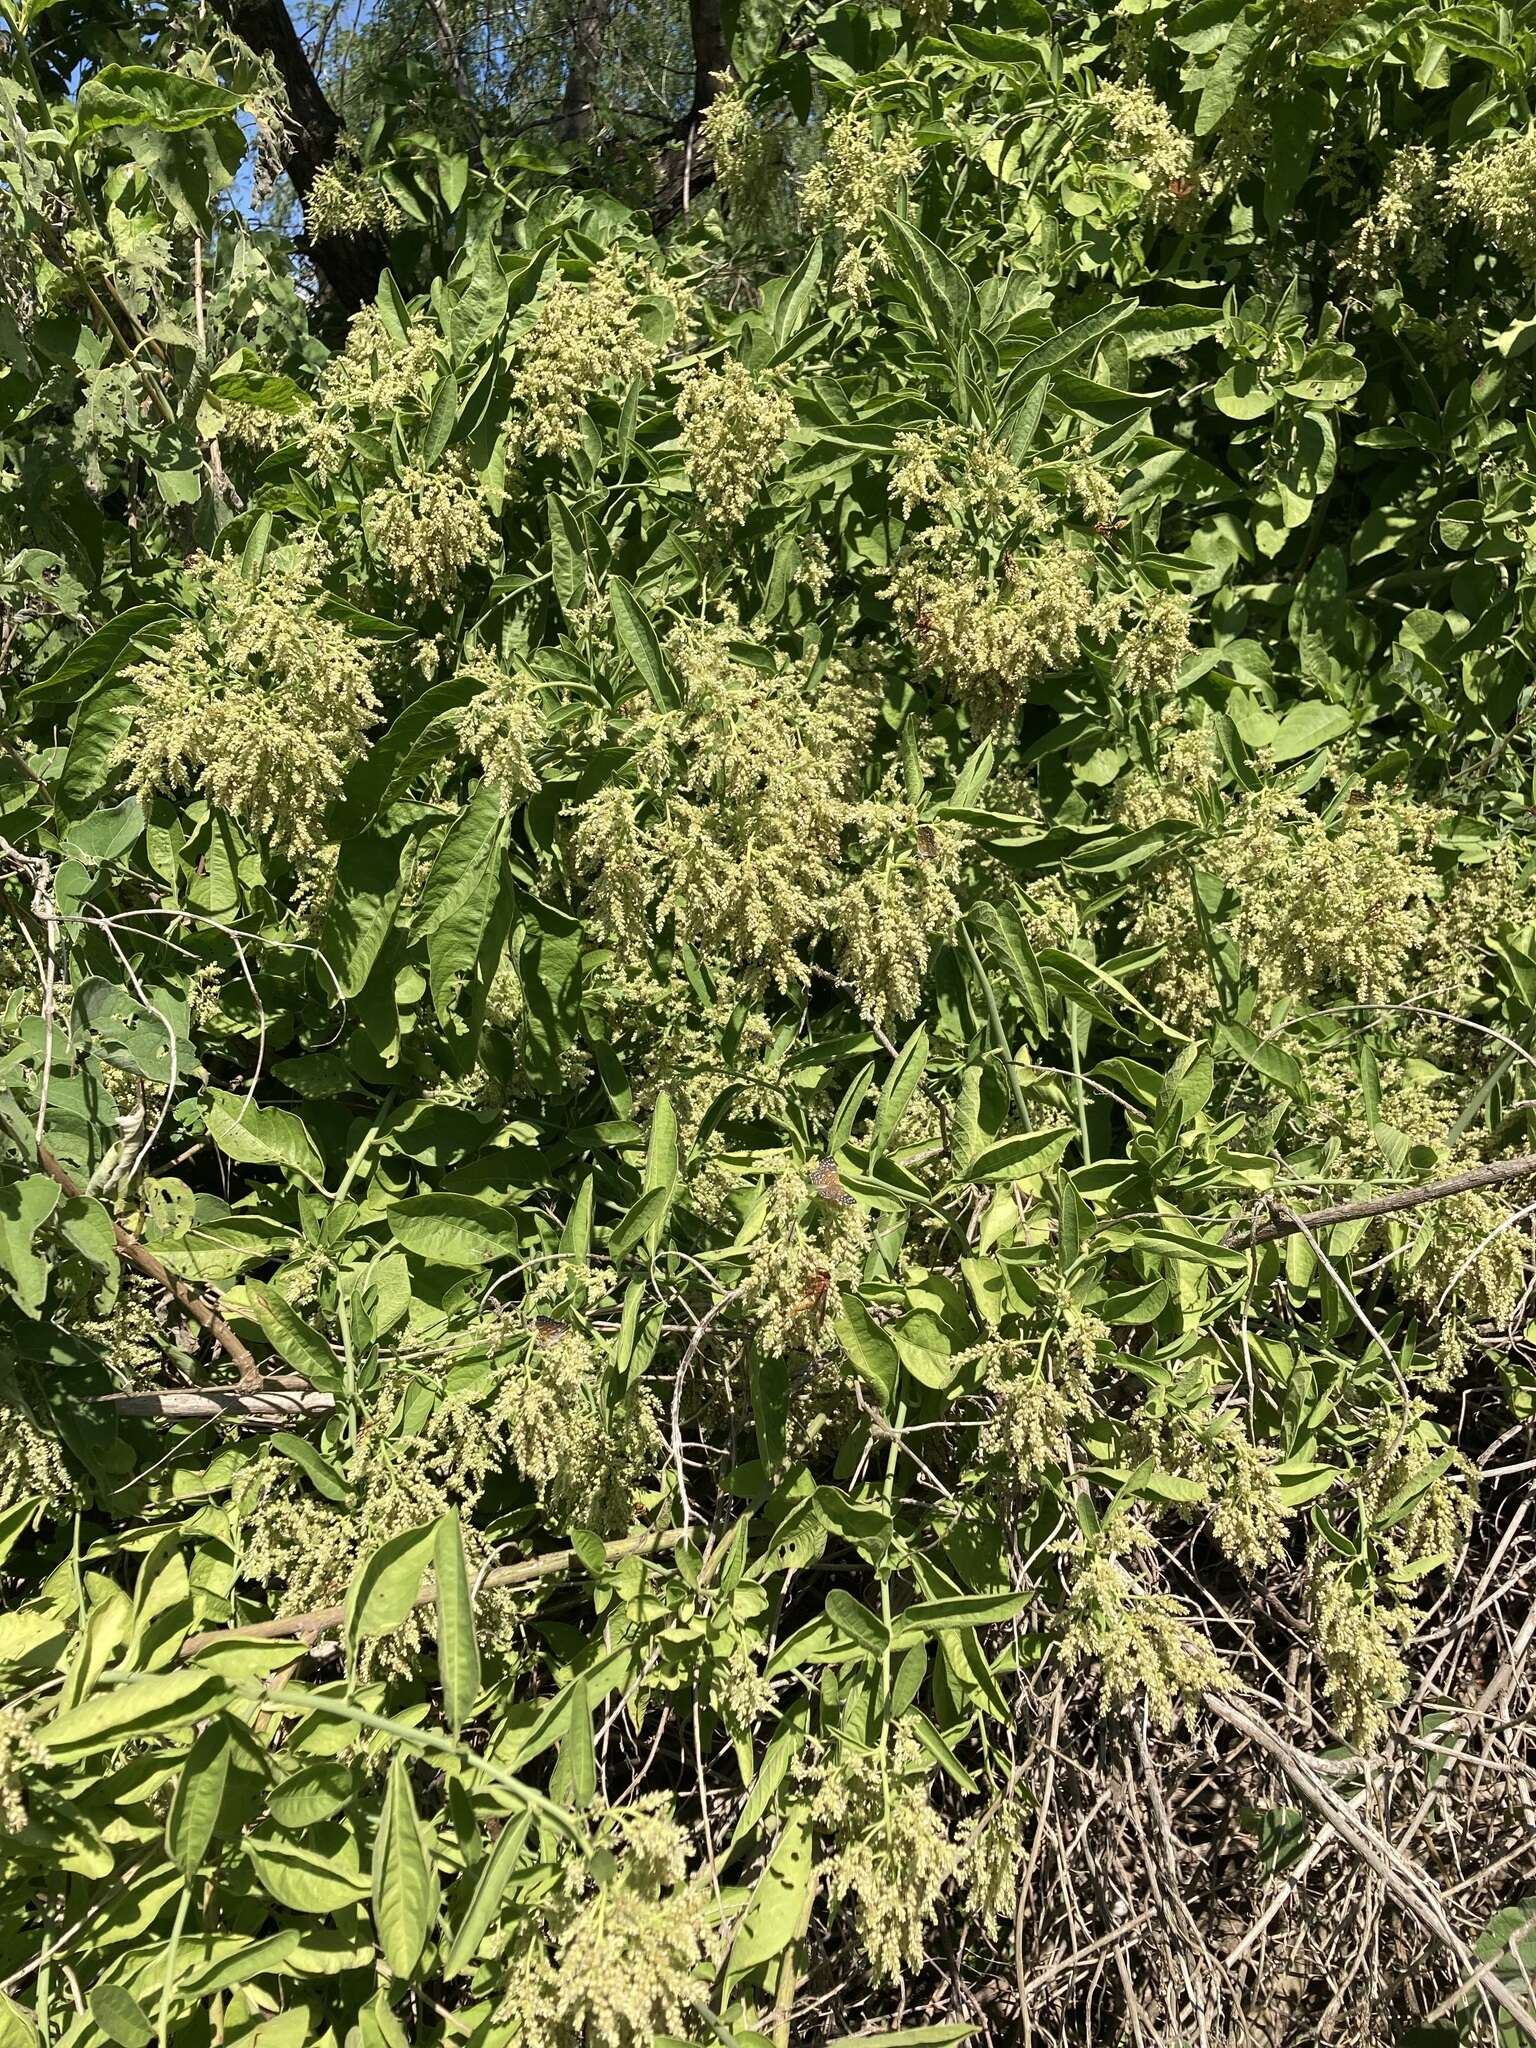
(868,1350)
(386,1585)
(779,1898)
(120,2016)
(458,1652)
(484,1901)
(441,421)
(901,1084)
(404,1883)
(454,1230)
(199,1794)
(132,1711)
(256,1136)
(150,96)
(637,637)
(293,1340)
(25,1206)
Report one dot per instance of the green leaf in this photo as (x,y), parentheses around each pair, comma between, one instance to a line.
(964,1610)
(404,1883)
(253,1136)
(293,1340)
(25,1206)
(454,1230)
(797,295)
(490,1889)
(149,96)
(266,390)
(901,1085)
(639,1220)
(868,1350)
(637,637)
(856,1622)
(441,421)
(132,1711)
(120,2016)
(779,1899)
(199,1795)
(458,1652)
(464,861)
(385,1587)
(661,1164)
(1224,80)
(1023,1157)
(567,555)
(574,1781)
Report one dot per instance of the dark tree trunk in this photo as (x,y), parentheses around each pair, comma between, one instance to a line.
(349,265)
(711,53)
(576,104)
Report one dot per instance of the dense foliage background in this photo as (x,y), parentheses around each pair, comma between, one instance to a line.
(743,755)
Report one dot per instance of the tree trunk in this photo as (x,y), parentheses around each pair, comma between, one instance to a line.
(576,105)
(711,53)
(349,265)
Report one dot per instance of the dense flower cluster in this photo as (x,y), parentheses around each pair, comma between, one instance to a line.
(992,641)
(1142,1641)
(1495,189)
(428,527)
(733,429)
(501,726)
(1034,1402)
(1156,647)
(20,1753)
(259,700)
(31,1465)
(1317,906)
(856,180)
(806,1248)
(898,907)
(347,200)
(735,830)
(1150,144)
(893,1854)
(613,1966)
(1359,1632)
(586,337)
(1401,228)
(747,156)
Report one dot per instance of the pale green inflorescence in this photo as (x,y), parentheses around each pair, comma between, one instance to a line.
(993,641)
(1401,228)
(1149,143)
(901,905)
(1495,189)
(612,1964)
(1359,1633)
(428,528)
(1156,648)
(893,1854)
(735,830)
(347,200)
(733,430)
(748,158)
(259,700)
(588,337)
(502,726)
(806,1249)
(20,1754)
(856,180)
(1142,1641)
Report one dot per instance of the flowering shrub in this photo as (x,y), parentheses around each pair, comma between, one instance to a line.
(704,918)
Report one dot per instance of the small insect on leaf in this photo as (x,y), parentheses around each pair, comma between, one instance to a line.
(827,1183)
